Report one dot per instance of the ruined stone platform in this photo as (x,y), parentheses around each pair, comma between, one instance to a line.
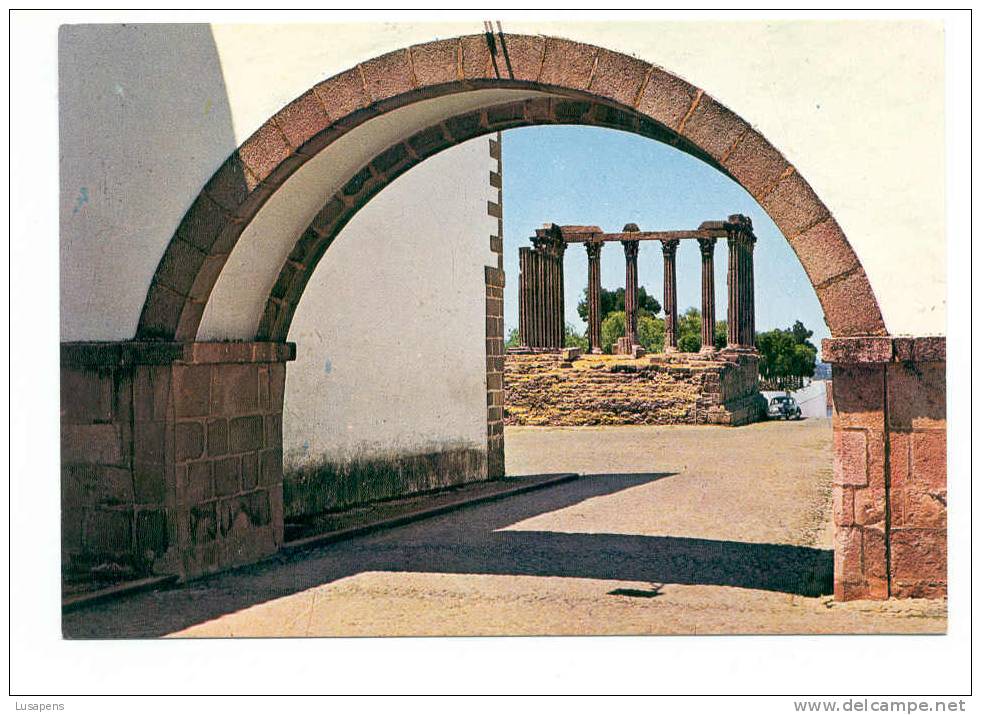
(566,389)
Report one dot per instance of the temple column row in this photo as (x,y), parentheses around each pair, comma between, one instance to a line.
(541,312)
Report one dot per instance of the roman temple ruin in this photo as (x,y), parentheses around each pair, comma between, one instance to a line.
(711,387)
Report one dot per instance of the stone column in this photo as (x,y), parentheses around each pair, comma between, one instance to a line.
(707,247)
(670,249)
(549,251)
(732,293)
(537,296)
(740,313)
(523,317)
(558,259)
(594,297)
(543,298)
(630,249)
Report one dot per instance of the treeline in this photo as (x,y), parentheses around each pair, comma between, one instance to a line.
(787,357)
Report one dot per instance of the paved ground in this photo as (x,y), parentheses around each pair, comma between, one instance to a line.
(670,530)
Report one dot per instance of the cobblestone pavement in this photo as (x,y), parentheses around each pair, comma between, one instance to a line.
(670,530)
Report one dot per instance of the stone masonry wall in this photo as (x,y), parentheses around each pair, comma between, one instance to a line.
(171,456)
(890,485)
(549,389)
(494,279)
(228,458)
(114,498)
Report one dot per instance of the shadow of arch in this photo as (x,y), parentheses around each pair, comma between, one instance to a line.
(568,82)
(475,540)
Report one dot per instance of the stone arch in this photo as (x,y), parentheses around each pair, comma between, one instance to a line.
(565,82)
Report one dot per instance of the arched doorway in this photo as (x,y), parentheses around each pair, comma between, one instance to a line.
(358,131)
(449,91)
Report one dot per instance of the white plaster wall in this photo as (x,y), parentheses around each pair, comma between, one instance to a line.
(138,140)
(390,331)
(856,106)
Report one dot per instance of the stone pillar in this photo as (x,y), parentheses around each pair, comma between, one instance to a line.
(889,490)
(534,297)
(630,250)
(547,255)
(740,317)
(548,295)
(707,248)
(557,251)
(670,249)
(594,297)
(523,312)
(732,298)
(172,459)
(538,298)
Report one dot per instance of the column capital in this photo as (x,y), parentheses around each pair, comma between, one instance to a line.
(593,249)
(738,222)
(630,249)
(670,247)
(549,242)
(707,246)
(739,230)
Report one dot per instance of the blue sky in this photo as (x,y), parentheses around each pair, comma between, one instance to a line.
(588,175)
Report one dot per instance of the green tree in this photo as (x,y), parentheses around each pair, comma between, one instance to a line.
(612,328)
(787,357)
(690,331)
(801,334)
(650,332)
(612,301)
(721,334)
(514,340)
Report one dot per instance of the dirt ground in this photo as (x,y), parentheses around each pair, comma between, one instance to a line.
(670,530)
